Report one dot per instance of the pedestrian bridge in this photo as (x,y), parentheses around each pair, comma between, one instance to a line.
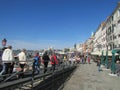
(48,81)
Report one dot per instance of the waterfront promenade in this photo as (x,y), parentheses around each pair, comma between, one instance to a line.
(86,77)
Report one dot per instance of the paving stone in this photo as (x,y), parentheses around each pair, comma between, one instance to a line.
(86,77)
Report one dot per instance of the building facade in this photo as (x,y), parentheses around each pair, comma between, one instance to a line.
(113,29)
(106,36)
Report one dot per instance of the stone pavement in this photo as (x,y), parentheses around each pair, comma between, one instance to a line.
(86,77)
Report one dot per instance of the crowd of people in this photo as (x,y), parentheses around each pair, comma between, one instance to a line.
(8,61)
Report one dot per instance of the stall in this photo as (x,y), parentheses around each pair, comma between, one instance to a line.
(113,66)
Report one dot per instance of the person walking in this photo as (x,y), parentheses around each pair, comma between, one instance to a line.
(83,60)
(89,59)
(99,65)
(54,61)
(2,65)
(8,60)
(45,59)
(22,62)
(36,63)
(65,60)
(78,59)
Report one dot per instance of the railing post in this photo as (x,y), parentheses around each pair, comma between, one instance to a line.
(63,74)
(53,88)
(32,78)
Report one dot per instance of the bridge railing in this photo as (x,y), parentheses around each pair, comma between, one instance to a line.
(50,81)
(63,70)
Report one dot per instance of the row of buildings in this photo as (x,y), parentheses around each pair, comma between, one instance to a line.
(106,37)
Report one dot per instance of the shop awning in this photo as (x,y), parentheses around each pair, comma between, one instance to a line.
(96,53)
(104,53)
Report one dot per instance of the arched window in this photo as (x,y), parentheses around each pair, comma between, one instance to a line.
(118,21)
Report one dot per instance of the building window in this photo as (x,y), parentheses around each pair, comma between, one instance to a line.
(113,30)
(118,21)
(110,37)
(115,37)
(112,18)
(118,35)
(103,45)
(115,46)
(110,47)
(118,12)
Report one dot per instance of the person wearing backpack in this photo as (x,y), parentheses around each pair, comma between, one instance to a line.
(99,65)
(36,63)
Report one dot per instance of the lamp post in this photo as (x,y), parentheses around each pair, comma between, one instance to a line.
(106,61)
(113,68)
(102,58)
(99,46)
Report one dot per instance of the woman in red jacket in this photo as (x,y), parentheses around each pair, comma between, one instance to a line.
(54,61)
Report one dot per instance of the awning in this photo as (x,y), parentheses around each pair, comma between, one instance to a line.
(96,53)
(70,52)
(104,53)
(60,52)
(109,53)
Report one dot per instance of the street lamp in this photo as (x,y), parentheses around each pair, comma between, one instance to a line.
(99,46)
(113,68)
(102,58)
(106,61)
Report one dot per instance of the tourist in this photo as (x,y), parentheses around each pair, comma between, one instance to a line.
(45,59)
(7,59)
(22,62)
(36,63)
(2,65)
(99,65)
(65,60)
(78,59)
(88,59)
(54,61)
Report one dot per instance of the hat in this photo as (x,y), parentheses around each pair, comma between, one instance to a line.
(9,46)
(23,50)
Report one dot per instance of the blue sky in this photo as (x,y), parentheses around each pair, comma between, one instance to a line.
(38,24)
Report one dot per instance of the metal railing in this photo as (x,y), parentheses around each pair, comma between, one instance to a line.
(35,82)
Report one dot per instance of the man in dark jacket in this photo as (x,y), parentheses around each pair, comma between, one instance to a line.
(46,59)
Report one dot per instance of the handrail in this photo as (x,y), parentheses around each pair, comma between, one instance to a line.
(16,82)
(55,77)
(30,79)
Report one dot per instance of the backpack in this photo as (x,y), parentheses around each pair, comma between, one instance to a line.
(36,60)
(54,59)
